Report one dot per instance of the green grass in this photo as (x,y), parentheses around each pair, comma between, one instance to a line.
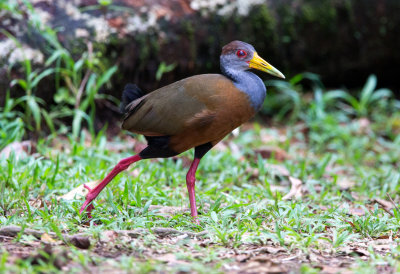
(243,209)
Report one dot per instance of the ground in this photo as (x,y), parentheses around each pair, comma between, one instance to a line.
(272,199)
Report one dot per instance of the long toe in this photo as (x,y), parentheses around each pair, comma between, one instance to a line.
(89,211)
(87,205)
(87,187)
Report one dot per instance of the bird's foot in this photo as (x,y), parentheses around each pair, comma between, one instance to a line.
(88,202)
(196,221)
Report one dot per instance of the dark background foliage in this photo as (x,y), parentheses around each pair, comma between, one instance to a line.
(342,41)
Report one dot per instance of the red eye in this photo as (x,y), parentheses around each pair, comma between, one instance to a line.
(241,53)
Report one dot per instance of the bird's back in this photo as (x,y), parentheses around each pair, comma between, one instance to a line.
(193,111)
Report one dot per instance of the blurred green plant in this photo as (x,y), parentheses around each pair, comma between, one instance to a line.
(289,100)
(164,68)
(33,110)
(368,99)
(83,79)
(323,112)
(285,100)
(12,127)
(77,81)
(105,3)
(13,7)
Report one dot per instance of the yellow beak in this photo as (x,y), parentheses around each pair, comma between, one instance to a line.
(258,63)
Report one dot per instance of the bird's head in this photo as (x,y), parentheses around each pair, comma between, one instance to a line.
(238,55)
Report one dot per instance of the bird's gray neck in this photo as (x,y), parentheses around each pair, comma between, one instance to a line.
(249,83)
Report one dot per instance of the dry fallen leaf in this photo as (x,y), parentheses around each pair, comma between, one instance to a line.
(253,172)
(266,249)
(108,236)
(20,149)
(295,190)
(272,151)
(344,183)
(327,269)
(242,258)
(359,250)
(275,188)
(79,191)
(36,203)
(170,259)
(168,210)
(262,264)
(357,211)
(385,204)
(278,169)
(384,248)
(46,238)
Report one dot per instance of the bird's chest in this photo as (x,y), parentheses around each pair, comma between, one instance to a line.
(237,109)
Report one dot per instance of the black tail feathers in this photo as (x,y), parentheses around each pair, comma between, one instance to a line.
(131,92)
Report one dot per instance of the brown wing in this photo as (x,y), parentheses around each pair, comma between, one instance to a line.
(169,110)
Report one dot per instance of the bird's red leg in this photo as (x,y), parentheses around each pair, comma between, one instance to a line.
(93,193)
(190,183)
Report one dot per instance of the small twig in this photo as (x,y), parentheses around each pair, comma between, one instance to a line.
(12,231)
(388,211)
(295,190)
(81,87)
(264,249)
(289,258)
(384,206)
(70,85)
(163,231)
(6,237)
(85,78)
(391,200)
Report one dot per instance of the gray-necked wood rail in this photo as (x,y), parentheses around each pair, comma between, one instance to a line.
(196,112)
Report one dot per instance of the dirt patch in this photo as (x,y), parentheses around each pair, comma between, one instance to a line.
(172,250)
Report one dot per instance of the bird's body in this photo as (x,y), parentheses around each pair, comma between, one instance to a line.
(196,112)
(206,108)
